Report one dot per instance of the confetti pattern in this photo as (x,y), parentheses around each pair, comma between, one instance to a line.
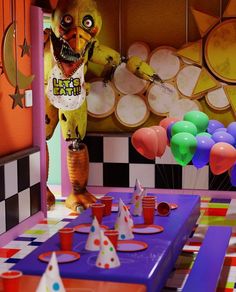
(93,240)
(124,222)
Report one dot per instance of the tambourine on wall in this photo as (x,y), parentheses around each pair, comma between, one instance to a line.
(193,54)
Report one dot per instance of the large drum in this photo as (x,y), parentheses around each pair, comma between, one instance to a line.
(101,99)
(165,63)
(160,99)
(187,79)
(182,106)
(127,83)
(139,49)
(131,110)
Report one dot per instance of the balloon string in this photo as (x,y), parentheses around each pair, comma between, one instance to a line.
(162,177)
(165,176)
(24,20)
(222,183)
(15,32)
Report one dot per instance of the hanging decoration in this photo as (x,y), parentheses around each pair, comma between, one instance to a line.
(3,28)
(9,58)
(17,96)
(25,47)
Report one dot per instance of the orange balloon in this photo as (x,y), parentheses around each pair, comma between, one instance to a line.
(145,142)
(222,157)
(167,121)
(161,139)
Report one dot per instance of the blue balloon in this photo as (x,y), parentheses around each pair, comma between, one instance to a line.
(233,176)
(213,125)
(223,137)
(168,131)
(221,130)
(202,154)
(231,129)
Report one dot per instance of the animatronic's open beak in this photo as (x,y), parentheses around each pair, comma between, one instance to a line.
(82,39)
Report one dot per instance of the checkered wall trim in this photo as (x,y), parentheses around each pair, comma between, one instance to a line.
(19,187)
(115,163)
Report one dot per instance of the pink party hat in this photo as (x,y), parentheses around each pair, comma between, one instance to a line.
(137,191)
(93,240)
(107,257)
(51,280)
(124,222)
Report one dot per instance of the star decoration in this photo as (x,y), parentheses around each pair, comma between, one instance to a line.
(17,98)
(25,48)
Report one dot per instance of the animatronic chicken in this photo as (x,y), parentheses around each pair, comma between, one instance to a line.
(71,43)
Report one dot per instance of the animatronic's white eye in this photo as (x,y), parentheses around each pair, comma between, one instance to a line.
(88,21)
(66,21)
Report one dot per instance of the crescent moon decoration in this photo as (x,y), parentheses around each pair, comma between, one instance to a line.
(9,64)
(3,12)
(25,48)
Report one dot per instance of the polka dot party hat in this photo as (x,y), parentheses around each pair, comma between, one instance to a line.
(137,208)
(93,241)
(107,257)
(51,280)
(124,222)
(137,191)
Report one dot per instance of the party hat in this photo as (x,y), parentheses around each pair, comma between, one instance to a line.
(137,191)
(93,241)
(124,222)
(51,280)
(107,257)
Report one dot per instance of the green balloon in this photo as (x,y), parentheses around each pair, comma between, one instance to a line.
(183,126)
(199,119)
(183,146)
(204,134)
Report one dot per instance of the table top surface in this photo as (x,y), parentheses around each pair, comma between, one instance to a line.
(147,267)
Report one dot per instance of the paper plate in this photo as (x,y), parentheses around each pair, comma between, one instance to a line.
(131,245)
(62,256)
(147,229)
(85,228)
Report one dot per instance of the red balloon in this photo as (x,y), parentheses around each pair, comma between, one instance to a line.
(161,139)
(222,157)
(167,121)
(145,142)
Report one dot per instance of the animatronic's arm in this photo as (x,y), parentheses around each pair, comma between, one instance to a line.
(106,56)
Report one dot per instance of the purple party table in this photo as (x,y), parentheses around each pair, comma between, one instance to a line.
(150,267)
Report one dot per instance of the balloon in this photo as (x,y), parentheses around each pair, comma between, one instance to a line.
(199,119)
(161,140)
(232,174)
(183,146)
(145,141)
(223,137)
(202,154)
(221,130)
(184,126)
(167,121)
(204,134)
(222,157)
(213,125)
(231,129)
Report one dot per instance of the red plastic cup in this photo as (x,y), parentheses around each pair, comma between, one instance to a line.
(148,214)
(163,209)
(113,236)
(11,281)
(66,238)
(98,211)
(107,201)
(149,198)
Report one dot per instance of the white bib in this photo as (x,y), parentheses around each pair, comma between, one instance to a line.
(66,93)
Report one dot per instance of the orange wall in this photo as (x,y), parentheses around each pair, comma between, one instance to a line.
(15,124)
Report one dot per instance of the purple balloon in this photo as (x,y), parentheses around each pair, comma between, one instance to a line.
(233,175)
(223,137)
(221,130)
(213,125)
(231,129)
(202,154)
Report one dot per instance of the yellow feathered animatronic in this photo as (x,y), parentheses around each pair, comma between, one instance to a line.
(69,45)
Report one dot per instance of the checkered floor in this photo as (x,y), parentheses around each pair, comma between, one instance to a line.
(213,212)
